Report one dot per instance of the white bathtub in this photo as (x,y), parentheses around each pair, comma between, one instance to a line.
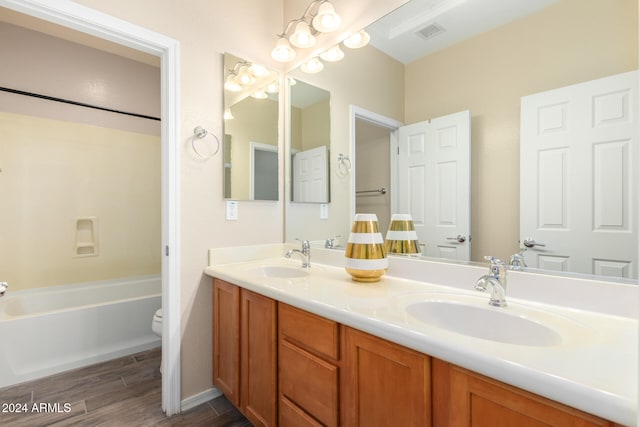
(50,330)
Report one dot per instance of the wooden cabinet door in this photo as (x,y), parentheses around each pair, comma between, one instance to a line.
(226,339)
(463,398)
(384,384)
(258,359)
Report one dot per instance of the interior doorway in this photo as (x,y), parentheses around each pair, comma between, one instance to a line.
(86,20)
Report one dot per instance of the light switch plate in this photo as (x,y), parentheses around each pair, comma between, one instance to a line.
(232,210)
(324,211)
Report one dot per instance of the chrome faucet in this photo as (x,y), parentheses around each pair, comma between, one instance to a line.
(304,251)
(3,288)
(329,243)
(517,261)
(497,280)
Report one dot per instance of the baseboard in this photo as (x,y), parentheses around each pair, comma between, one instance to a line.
(197,399)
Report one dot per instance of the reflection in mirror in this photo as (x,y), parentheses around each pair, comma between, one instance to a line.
(488,73)
(251,131)
(310,130)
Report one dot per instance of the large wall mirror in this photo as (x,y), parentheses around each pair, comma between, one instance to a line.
(442,68)
(250,130)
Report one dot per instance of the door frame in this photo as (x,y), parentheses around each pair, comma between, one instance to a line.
(90,21)
(253,147)
(360,113)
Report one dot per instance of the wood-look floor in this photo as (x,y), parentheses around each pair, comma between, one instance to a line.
(122,392)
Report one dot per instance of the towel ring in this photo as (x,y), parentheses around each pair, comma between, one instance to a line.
(201,133)
(344,164)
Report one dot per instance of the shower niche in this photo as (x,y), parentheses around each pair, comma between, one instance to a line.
(86,237)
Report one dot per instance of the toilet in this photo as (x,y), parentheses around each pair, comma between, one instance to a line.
(156,327)
(156,324)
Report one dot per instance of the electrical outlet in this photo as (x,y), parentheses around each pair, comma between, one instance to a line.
(232,210)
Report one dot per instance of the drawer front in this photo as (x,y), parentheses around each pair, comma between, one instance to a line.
(309,331)
(290,415)
(309,382)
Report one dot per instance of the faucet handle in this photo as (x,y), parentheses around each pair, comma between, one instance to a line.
(329,242)
(305,244)
(497,266)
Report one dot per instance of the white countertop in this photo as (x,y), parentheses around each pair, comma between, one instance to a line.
(594,370)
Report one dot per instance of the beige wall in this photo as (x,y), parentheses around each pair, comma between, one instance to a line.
(571,42)
(316,125)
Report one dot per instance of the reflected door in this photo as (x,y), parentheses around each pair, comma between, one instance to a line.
(579,182)
(434,183)
(311,175)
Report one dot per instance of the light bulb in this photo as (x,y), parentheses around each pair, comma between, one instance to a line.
(273,87)
(312,66)
(359,39)
(302,36)
(283,51)
(259,94)
(258,70)
(231,84)
(326,20)
(332,54)
(244,76)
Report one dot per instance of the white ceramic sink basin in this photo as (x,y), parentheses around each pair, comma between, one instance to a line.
(518,326)
(279,271)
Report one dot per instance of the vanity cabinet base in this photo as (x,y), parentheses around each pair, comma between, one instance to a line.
(464,398)
(244,351)
(384,384)
(282,366)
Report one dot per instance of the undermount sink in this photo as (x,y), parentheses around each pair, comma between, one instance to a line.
(279,271)
(501,324)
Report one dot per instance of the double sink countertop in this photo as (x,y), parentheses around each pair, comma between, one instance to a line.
(572,340)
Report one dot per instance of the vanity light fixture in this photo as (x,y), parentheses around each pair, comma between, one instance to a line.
(333,54)
(302,36)
(227,114)
(283,52)
(326,20)
(312,66)
(244,74)
(273,87)
(357,40)
(319,17)
(231,84)
(261,94)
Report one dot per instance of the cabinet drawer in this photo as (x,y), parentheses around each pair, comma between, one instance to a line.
(309,382)
(309,331)
(290,415)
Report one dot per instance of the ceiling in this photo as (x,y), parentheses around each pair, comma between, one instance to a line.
(444,22)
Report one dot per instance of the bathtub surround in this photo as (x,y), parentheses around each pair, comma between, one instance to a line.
(65,327)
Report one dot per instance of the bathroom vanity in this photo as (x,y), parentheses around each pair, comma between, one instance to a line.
(309,347)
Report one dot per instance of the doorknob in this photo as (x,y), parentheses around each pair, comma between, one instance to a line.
(460,238)
(530,243)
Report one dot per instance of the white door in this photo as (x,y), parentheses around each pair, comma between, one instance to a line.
(579,181)
(434,183)
(311,175)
